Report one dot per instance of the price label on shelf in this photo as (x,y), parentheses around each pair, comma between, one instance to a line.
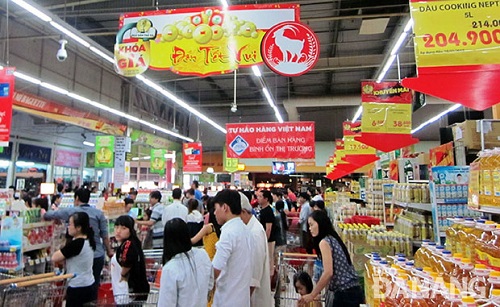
(37,261)
(457,32)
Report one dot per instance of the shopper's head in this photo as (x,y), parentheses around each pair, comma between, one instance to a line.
(82,196)
(176,239)
(246,208)
(320,227)
(264,197)
(132,194)
(79,224)
(124,228)
(192,205)
(190,193)
(177,193)
(56,199)
(318,205)
(303,283)
(227,205)
(154,197)
(303,197)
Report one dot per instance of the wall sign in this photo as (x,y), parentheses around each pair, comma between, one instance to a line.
(288,140)
(192,157)
(7,81)
(68,158)
(104,151)
(33,153)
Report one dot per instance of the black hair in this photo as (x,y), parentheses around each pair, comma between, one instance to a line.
(83,195)
(42,203)
(195,182)
(127,221)
(205,198)
(155,194)
(267,195)
(55,197)
(305,196)
(211,216)
(176,193)
(325,228)
(318,203)
(277,193)
(148,212)
(304,279)
(81,219)
(190,192)
(132,192)
(231,198)
(28,200)
(128,201)
(192,205)
(176,239)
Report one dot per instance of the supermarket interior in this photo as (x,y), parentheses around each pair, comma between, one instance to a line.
(392,119)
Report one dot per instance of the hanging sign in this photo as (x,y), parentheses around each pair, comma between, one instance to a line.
(157,162)
(7,81)
(138,136)
(230,164)
(104,151)
(68,158)
(357,153)
(121,175)
(192,157)
(387,110)
(197,41)
(457,57)
(288,140)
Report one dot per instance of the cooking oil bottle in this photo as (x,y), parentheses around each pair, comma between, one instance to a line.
(451,234)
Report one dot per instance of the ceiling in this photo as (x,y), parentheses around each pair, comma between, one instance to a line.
(328,94)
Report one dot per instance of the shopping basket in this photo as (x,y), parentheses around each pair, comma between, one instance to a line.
(36,290)
(288,265)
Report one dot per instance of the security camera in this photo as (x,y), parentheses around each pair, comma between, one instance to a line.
(62,54)
(234,108)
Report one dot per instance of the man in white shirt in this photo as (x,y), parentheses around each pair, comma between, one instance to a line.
(305,210)
(175,209)
(233,271)
(260,287)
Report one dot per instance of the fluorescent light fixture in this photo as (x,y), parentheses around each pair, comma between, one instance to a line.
(102,54)
(358,114)
(24,164)
(437,117)
(54,88)
(399,42)
(4,163)
(224,3)
(87,143)
(408,26)
(27,78)
(74,36)
(32,10)
(256,71)
(386,68)
(268,96)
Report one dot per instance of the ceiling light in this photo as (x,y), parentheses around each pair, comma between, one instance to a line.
(256,71)
(27,78)
(358,114)
(32,10)
(70,34)
(437,117)
(87,143)
(224,3)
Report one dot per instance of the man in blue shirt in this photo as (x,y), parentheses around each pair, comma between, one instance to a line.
(97,222)
(197,193)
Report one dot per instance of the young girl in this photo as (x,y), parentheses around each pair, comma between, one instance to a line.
(128,269)
(187,274)
(79,256)
(304,285)
(338,276)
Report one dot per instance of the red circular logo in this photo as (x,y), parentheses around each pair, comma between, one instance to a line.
(290,49)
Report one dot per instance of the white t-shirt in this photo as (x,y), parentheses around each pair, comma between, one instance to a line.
(185,281)
(195,217)
(260,265)
(175,209)
(232,259)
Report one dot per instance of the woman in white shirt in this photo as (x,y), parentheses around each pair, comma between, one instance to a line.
(187,274)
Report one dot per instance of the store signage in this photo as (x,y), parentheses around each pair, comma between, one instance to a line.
(387,110)
(457,57)
(138,136)
(104,151)
(290,49)
(157,161)
(356,153)
(288,140)
(121,175)
(68,158)
(33,153)
(192,157)
(7,81)
(198,41)
(90,160)
(35,105)
(230,164)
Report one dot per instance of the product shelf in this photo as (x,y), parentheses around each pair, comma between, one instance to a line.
(487,209)
(36,246)
(38,261)
(38,224)
(418,206)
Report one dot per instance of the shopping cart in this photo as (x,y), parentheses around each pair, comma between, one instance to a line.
(45,290)
(153,261)
(293,234)
(288,265)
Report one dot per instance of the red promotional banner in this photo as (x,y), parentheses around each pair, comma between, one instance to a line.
(38,106)
(291,140)
(68,158)
(391,91)
(192,154)
(6,92)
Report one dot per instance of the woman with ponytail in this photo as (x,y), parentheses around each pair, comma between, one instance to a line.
(339,275)
(79,256)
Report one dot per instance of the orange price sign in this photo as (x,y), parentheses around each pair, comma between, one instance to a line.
(456,32)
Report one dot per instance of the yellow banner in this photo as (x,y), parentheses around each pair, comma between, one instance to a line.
(386,118)
(458,32)
(353,147)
